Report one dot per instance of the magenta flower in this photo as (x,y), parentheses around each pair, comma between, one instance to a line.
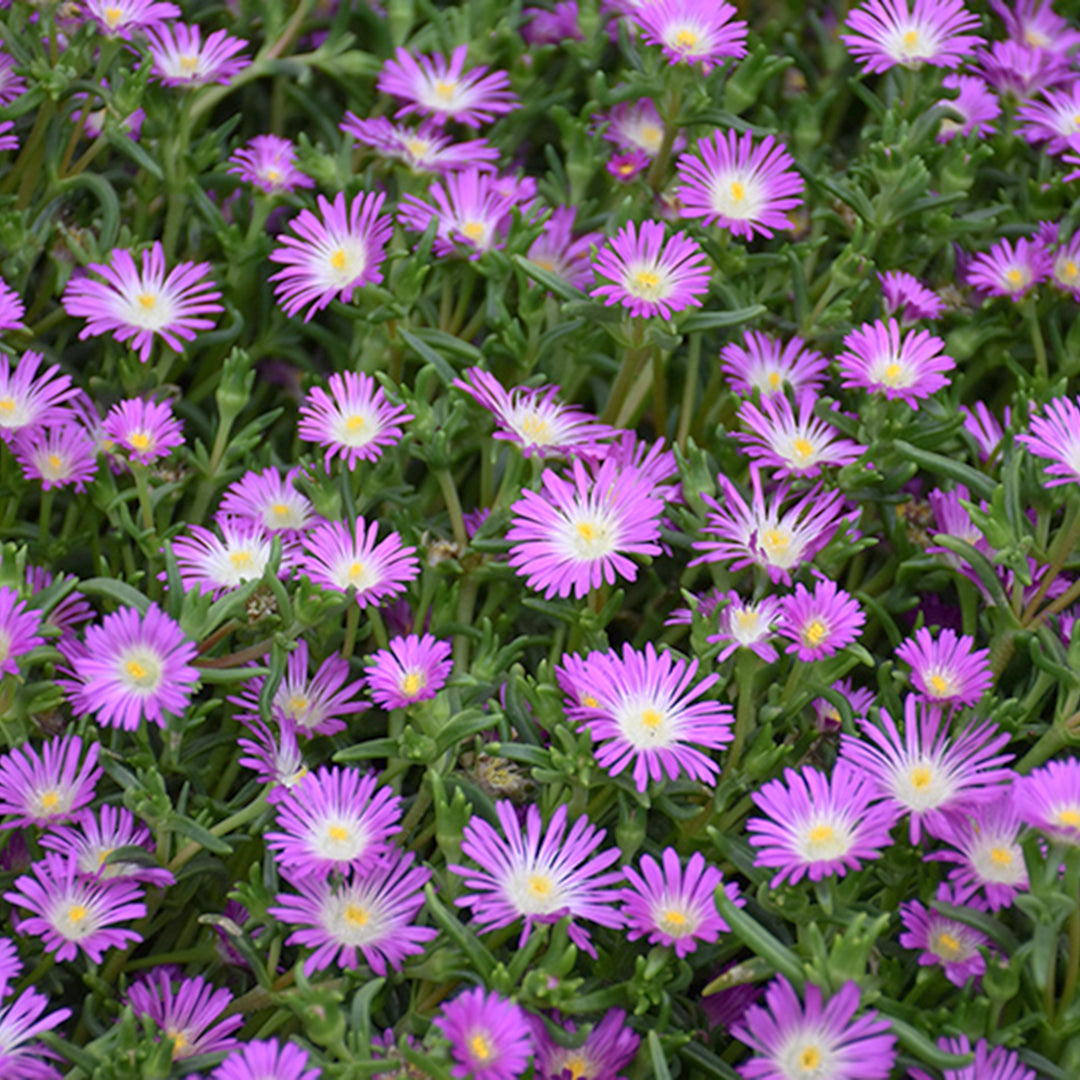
(412,669)
(1065,271)
(606,1051)
(342,558)
(636,125)
(991,1062)
(887,33)
(182,58)
(828,715)
(1048,799)
(10,967)
(985,428)
(217,564)
(820,623)
(1010,67)
(147,430)
(333,819)
(11,85)
(976,103)
(333,253)
(22,1020)
(118,18)
(268,499)
(558,251)
(131,667)
(692,31)
(275,758)
(1055,436)
(489,1036)
(271,1060)
(269,162)
(927,773)
(817,826)
(70,913)
(789,1037)
(371,914)
(642,710)
(742,187)
(1010,271)
(12,308)
(445,91)
(904,293)
(949,670)
(577,533)
(1055,121)
(628,165)
(649,273)
(877,358)
(18,629)
(28,400)
(538,876)
(674,906)
(1035,23)
(763,363)
(138,304)
(743,624)
(190,1014)
(545,27)
(50,787)
(62,456)
(356,419)
(944,942)
(424,149)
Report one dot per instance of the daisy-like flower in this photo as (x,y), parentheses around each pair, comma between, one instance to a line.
(1055,121)
(412,669)
(793,1041)
(636,125)
(70,913)
(50,787)
(189,1014)
(11,85)
(948,670)
(269,500)
(877,358)
(820,623)
(606,1051)
(1010,271)
(10,141)
(136,303)
(1055,436)
(1048,799)
(341,558)
(22,1020)
(985,428)
(532,418)
(369,914)
(10,965)
(762,363)
(217,564)
(552,27)
(828,715)
(1065,271)
(817,826)
(424,149)
(18,630)
(182,58)
(356,419)
(742,187)
(701,32)
(927,773)
(1009,67)
(333,819)
(1035,23)
(12,308)
(538,876)
(271,1060)
(274,758)
(269,162)
(333,253)
(63,456)
(146,430)
(793,445)
(557,250)
(445,91)
(29,399)
(642,710)
(131,667)
(991,1062)
(906,294)
(489,1036)
(579,531)
(674,905)
(120,18)
(764,533)
(976,103)
(744,624)
(628,165)
(886,33)
(649,273)
(945,942)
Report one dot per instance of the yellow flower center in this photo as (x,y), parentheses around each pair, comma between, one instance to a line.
(49,800)
(337,833)
(412,684)
(939,685)
(1000,856)
(55,462)
(892,375)
(921,777)
(815,633)
(911,38)
(146,301)
(1070,817)
(1014,277)
(810,1059)
(652,719)
(576,1066)
(647,282)
(590,701)
(535,427)
(135,670)
(104,854)
(738,192)
(540,885)
(180,1041)
(587,531)
(279,510)
(189,63)
(820,834)
(474,230)
(445,90)
(354,423)
(7,405)
(338,259)
(356,915)
(242,559)
(948,945)
(273,175)
(774,380)
(651,136)
(297,704)
(803,448)
(113,15)
(356,572)
(776,540)
(76,913)
(417,147)
(686,39)
(139,440)
(1070,271)
(480,1047)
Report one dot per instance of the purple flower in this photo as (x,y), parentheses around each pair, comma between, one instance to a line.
(606,1051)
(269,162)
(445,91)
(490,1037)
(905,293)
(626,166)
(333,253)
(50,787)
(63,456)
(949,670)
(136,304)
(1065,271)
(182,58)
(762,363)
(790,1038)
(877,358)
(424,149)
(885,33)
(820,623)
(22,1020)
(744,624)
(1055,436)
(217,564)
(269,500)
(147,430)
(1048,799)
(412,669)
(275,759)
(1010,67)
(1055,121)
(991,1062)
(742,187)
(370,913)
(1035,23)
(976,104)
(551,27)
(817,826)
(537,876)
(828,715)
(10,966)
(18,629)
(11,85)
(944,941)
(118,18)
(981,424)
(636,125)
(271,1060)
(190,1014)
(12,308)
(649,273)
(558,251)
(8,141)
(692,31)
(28,400)
(1010,271)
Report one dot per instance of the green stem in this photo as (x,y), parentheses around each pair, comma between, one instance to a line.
(686,407)
(1062,547)
(1038,344)
(142,485)
(453,507)
(632,360)
(45,516)
(745,671)
(466,604)
(352,621)
(659,386)
(658,169)
(222,828)
(378,627)
(1072,969)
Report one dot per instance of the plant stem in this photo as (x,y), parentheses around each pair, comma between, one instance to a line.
(686,407)
(745,671)
(453,507)
(222,828)
(1031,310)
(352,621)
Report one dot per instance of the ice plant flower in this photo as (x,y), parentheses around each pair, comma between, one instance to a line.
(606,1051)
(636,125)
(70,913)
(741,186)
(817,825)
(50,787)
(887,33)
(10,966)
(190,1015)
(146,430)
(269,163)
(343,558)
(63,456)
(744,624)
(990,1063)
(218,564)
(275,758)
(18,630)
(700,32)
(119,18)
(820,623)
(181,58)
(31,400)
(1055,436)
(11,85)
(333,819)
(559,252)
(23,1019)
(673,905)
(948,670)
(643,711)
(1065,271)
(628,165)
(12,308)
(1048,799)
(1010,271)
(552,27)
(137,303)
(904,293)
(1036,24)
(828,715)
(426,148)
(815,1041)
(367,914)
(131,667)
(927,773)
(445,91)
(356,420)
(1055,121)
(489,1037)
(412,669)
(762,363)
(946,942)
(536,875)
(270,500)
(259,1060)
(985,428)
(332,254)
(976,103)
(877,358)
(578,531)
(649,273)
